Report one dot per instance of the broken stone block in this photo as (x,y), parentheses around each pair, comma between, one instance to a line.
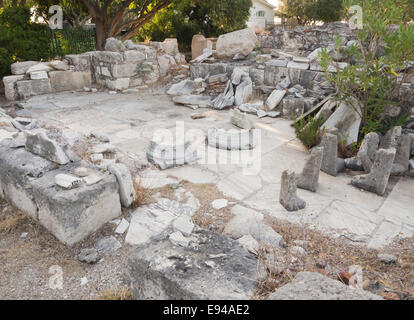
(134,56)
(69,80)
(10,90)
(274,99)
(315,286)
(309,178)
(288,198)
(59,65)
(170,46)
(219,204)
(241,41)
(118,84)
(218,78)
(263,58)
(402,156)
(28,88)
(390,140)
(241,120)
(238,75)
(347,119)
(193,100)
(225,99)
(184,87)
(37,75)
(89,255)
(297,65)
(214,268)
(377,180)
(126,187)
(122,227)
(228,138)
(207,53)
(331,164)
(277,63)
(178,239)
(367,152)
(67,181)
(42,66)
(293,107)
(250,244)
(198,44)
(184,225)
(19,68)
(243,92)
(251,107)
(124,70)
(202,70)
(38,143)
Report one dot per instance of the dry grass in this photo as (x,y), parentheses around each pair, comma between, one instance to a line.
(9,222)
(123,293)
(330,256)
(143,195)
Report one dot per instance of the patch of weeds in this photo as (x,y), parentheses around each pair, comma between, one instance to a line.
(309,131)
(115,294)
(11,221)
(143,195)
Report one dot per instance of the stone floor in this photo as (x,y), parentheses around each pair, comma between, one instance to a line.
(130,120)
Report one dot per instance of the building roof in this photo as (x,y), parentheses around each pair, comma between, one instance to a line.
(265,3)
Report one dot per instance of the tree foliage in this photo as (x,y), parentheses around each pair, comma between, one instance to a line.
(380,62)
(188,17)
(310,11)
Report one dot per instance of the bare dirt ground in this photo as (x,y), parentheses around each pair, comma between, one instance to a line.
(25,262)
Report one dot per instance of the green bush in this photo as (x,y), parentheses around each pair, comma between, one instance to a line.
(188,17)
(379,63)
(309,131)
(310,11)
(20,39)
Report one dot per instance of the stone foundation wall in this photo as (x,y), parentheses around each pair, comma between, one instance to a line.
(121,66)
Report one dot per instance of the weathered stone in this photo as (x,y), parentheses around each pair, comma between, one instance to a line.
(296,65)
(193,100)
(126,187)
(219,204)
(103,148)
(250,244)
(19,68)
(263,58)
(402,156)
(331,164)
(37,75)
(214,268)
(108,245)
(293,107)
(347,119)
(241,120)
(184,225)
(124,70)
(152,220)
(59,65)
(203,70)
(238,75)
(218,78)
(118,84)
(257,76)
(38,143)
(376,181)
(309,178)
(89,255)
(225,99)
(107,57)
(288,197)
(178,239)
(28,88)
(42,66)
(274,99)
(113,44)
(315,286)
(122,227)
(297,251)
(134,56)
(198,44)
(69,80)
(81,62)
(390,140)
(241,41)
(232,139)
(207,53)
(251,107)
(165,62)
(67,181)
(10,87)
(367,152)
(170,46)
(277,63)
(185,87)
(243,92)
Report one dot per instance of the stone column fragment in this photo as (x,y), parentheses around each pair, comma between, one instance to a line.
(309,179)
(331,164)
(402,156)
(376,181)
(288,198)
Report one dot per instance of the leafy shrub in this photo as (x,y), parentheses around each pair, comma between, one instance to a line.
(21,39)
(309,131)
(379,63)
(309,11)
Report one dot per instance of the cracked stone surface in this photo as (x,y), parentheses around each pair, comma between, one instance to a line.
(338,208)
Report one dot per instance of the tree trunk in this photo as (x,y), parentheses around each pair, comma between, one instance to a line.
(100,34)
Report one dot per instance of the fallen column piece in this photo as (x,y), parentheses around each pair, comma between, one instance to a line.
(309,178)
(366,154)
(212,267)
(126,187)
(376,181)
(331,164)
(288,197)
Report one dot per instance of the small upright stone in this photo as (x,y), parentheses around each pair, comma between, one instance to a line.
(38,143)
(402,156)
(367,152)
(126,187)
(288,197)
(331,164)
(390,140)
(376,181)
(309,179)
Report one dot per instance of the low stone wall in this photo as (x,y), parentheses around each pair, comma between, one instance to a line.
(121,66)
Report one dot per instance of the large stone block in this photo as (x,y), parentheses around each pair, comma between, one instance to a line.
(70,80)
(10,86)
(198,44)
(28,88)
(124,70)
(19,68)
(202,70)
(81,62)
(214,268)
(241,41)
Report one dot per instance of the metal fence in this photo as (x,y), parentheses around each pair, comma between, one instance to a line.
(72,41)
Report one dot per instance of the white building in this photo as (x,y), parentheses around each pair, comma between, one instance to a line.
(262,14)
